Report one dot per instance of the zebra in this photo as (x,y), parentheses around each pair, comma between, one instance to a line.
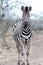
(23,34)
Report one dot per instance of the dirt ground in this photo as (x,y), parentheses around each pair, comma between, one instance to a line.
(10,56)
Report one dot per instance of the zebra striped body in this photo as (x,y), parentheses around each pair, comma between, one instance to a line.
(23,35)
(26,31)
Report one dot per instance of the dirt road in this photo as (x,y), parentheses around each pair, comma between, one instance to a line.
(9,56)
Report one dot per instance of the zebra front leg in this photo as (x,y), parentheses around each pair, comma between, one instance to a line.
(22,56)
(27,53)
(19,53)
(19,58)
(20,48)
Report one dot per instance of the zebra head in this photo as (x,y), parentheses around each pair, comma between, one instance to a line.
(26,13)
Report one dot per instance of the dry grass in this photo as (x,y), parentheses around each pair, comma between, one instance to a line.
(8,56)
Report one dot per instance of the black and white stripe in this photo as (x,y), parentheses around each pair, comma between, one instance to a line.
(26,31)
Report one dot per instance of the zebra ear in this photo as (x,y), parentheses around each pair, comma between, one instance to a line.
(22,8)
(30,8)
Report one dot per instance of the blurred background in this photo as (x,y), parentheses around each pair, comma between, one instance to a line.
(10,13)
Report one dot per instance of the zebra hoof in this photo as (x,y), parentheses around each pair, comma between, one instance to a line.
(18,63)
(28,64)
(23,64)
